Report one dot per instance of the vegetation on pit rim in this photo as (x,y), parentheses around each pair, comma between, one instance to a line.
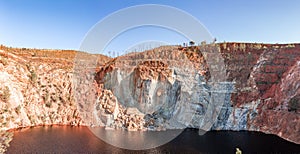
(65,57)
(294,104)
(5,95)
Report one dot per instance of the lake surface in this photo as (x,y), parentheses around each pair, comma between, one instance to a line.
(65,139)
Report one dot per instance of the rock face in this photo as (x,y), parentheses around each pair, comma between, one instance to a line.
(36,88)
(243,87)
(267,85)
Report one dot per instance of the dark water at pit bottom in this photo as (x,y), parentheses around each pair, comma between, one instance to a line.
(64,139)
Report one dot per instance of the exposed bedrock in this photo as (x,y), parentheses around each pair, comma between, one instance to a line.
(164,88)
(261,91)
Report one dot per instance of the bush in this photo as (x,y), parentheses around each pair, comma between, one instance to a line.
(47,100)
(192,43)
(33,77)
(5,94)
(294,104)
(18,109)
(48,104)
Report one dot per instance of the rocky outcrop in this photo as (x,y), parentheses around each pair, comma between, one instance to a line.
(37,88)
(243,87)
(255,95)
(36,93)
(266,78)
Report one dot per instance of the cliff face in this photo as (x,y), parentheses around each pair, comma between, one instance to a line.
(267,89)
(36,88)
(244,87)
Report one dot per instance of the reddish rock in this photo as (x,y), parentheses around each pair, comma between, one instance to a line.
(262,73)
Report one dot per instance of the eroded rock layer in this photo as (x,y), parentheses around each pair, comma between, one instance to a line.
(241,87)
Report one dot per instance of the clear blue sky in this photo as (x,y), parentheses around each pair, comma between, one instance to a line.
(62,24)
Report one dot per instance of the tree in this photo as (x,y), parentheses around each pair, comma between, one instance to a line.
(203,43)
(215,40)
(192,43)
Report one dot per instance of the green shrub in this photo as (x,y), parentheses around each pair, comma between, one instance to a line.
(5,94)
(47,100)
(294,104)
(33,77)
(48,104)
(18,109)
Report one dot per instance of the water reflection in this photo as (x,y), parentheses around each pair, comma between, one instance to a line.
(64,139)
(135,140)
